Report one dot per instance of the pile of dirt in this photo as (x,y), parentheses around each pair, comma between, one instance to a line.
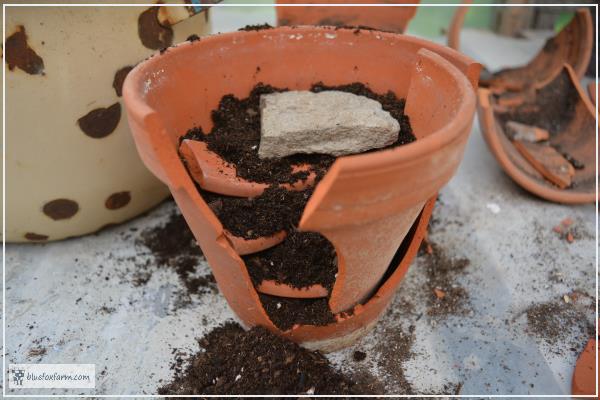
(445,296)
(173,246)
(275,210)
(556,321)
(301,260)
(258,362)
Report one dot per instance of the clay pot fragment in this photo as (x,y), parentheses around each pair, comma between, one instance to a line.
(373,207)
(573,46)
(585,374)
(565,172)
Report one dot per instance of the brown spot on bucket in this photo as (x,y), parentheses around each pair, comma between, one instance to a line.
(118,200)
(20,55)
(100,122)
(152,33)
(120,76)
(36,237)
(60,209)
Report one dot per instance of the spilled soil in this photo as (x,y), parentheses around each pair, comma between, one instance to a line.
(445,296)
(257,362)
(174,247)
(560,324)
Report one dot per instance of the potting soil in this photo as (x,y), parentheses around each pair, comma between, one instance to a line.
(258,362)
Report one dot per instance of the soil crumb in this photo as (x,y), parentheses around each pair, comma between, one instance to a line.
(287,312)
(560,324)
(257,27)
(275,210)
(301,260)
(258,362)
(359,355)
(174,246)
(445,296)
(393,353)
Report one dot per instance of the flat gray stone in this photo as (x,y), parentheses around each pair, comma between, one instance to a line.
(330,122)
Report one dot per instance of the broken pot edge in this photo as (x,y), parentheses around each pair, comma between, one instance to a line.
(491,133)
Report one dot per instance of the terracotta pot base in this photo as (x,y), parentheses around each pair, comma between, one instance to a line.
(577,137)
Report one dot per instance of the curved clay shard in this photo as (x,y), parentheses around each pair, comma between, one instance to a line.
(213,174)
(274,288)
(573,45)
(20,55)
(248,246)
(565,111)
(584,376)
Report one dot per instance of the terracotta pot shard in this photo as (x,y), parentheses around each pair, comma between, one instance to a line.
(282,290)
(215,175)
(572,45)
(365,203)
(585,374)
(561,107)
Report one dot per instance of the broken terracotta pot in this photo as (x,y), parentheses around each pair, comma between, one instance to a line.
(563,109)
(392,18)
(382,196)
(573,46)
(585,374)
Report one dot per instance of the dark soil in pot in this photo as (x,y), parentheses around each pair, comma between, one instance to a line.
(276,209)
(303,259)
(258,362)
(235,135)
(286,312)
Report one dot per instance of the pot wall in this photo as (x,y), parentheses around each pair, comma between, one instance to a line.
(67,176)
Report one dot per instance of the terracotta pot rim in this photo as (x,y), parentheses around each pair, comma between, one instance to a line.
(490,133)
(405,153)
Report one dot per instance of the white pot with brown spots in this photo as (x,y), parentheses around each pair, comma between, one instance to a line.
(71,164)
